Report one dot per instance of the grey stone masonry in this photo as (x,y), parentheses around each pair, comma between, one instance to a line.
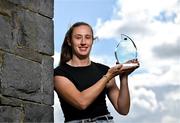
(26,63)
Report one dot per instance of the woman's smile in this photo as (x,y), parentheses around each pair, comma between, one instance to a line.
(83,48)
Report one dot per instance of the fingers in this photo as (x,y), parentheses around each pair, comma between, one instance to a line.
(115,70)
(132,61)
(126,68)
(118,67)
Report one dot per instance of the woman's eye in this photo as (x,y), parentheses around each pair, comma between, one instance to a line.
(88,37)
(78,37)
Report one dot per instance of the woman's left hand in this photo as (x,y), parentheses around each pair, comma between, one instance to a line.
(126,70)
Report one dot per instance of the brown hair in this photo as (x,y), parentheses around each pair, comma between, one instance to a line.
(66,50)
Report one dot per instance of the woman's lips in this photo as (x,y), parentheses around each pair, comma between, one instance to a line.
(83,48)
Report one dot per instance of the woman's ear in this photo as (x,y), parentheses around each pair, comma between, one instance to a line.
(69,42)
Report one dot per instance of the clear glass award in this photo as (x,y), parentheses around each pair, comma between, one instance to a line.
(125,51)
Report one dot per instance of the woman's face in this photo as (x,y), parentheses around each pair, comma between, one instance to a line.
(81,41)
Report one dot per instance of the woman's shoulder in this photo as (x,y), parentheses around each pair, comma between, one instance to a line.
(100,65)
(57,68)
(60,69)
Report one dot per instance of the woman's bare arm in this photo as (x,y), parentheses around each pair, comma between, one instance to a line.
(81,100)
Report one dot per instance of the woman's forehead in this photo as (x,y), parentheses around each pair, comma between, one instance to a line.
(82,29)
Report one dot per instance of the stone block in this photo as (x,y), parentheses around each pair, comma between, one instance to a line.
(5,33)
(28,53)
(17,110)
(47,80)
(10,101)
(6,8)
(38,113)
(21,78)
(1,59)
(33,31)
(44,7)
(10,114)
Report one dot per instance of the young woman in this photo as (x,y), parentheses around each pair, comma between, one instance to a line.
(82,84)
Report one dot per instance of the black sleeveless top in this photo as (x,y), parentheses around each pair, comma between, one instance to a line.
(83,78)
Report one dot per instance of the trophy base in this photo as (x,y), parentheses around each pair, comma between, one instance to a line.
(130,64)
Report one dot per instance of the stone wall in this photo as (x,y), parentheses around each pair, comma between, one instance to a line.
(26,65)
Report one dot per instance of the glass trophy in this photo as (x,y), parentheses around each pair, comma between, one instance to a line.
(125,51)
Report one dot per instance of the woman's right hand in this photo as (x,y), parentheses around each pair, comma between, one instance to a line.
(120,69)
(114,71)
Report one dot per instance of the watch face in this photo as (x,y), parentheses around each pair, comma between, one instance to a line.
(126,49)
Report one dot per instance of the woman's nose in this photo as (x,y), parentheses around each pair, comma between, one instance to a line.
(83,40)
